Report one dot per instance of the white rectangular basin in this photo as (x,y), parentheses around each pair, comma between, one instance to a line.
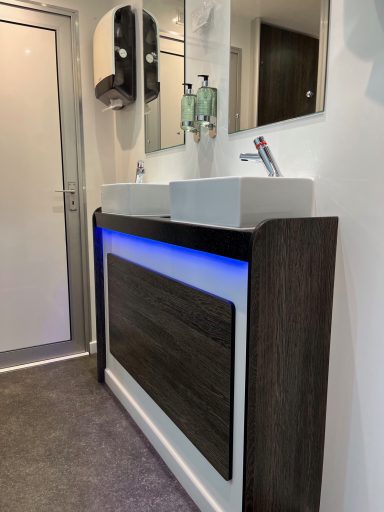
(150,199)
(240,201)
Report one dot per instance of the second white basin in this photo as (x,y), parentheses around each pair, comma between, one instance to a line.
(240,201)
(135,199)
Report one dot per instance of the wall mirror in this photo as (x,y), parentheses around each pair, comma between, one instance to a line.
(164,72)
(278,61)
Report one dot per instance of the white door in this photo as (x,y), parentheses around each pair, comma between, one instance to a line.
(152,118)
(171,76)
(41,274)
(172,65)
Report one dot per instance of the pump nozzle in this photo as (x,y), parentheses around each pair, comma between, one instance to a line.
(188,88)
(205,79)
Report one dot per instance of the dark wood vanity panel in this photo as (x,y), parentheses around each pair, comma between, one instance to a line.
(290,301)
(177,342)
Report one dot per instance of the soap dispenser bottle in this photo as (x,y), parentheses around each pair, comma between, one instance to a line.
(206,107)
(188,109)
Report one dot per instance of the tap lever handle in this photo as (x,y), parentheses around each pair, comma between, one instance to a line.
(267,157)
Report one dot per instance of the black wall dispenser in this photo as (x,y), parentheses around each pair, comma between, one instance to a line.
(114,58)
(151,57)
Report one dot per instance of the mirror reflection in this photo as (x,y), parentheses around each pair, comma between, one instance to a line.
(277,61)
(163,46)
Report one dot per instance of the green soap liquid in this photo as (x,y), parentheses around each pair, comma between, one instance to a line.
(204,101)
(214,103)
(188,108)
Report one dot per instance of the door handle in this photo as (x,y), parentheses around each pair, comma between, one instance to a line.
(70,190)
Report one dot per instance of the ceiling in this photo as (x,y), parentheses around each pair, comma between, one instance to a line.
(165,12)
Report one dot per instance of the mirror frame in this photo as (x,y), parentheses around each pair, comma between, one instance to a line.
(322,74)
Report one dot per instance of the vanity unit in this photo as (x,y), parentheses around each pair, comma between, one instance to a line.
(216,340)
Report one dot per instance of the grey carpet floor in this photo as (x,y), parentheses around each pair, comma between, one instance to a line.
(66,445)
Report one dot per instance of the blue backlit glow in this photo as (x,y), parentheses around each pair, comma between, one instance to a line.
(215,274)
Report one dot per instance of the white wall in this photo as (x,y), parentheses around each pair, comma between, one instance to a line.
(297,15)
(343,150)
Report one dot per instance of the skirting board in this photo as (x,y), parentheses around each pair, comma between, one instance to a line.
(93,347)
(190,482)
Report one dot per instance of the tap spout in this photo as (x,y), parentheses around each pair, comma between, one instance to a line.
(245,157)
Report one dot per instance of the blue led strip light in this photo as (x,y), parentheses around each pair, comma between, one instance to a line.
(169,259)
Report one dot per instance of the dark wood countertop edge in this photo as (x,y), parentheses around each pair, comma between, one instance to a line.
(226,242)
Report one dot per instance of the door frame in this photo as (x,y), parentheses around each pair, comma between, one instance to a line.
(239,52)
(323,55)
(52,351)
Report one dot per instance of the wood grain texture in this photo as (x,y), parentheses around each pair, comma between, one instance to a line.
(290,311)
(98,260)
(289,61)
(177,343)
